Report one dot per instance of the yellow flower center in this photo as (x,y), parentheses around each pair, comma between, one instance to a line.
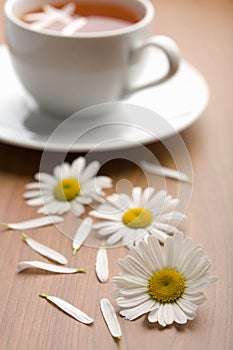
(66,189)
(166,285)
(137,218)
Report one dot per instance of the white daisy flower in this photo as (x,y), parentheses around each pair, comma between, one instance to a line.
(130,219)
(168,286)
(69,188)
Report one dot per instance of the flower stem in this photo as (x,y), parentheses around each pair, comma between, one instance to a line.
(4,224)
(81,271)
(25,236)
(43,296)
(75,251)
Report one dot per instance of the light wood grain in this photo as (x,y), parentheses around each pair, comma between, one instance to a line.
(204,31)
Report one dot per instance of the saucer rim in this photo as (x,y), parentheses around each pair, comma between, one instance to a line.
(184,123)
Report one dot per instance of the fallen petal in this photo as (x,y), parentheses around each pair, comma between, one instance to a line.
(101,266)
(74,26)
(34,223)
(47,267)
(69,309)
(82,234)
(110,318)
(164,171)
(44,250)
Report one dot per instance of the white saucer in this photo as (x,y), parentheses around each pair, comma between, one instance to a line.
(180,101)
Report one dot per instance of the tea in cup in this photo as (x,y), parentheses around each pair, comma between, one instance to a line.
(72,55)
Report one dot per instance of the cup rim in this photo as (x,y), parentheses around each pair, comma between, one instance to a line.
(149,14)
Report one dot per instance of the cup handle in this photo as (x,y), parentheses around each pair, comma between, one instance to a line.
(172,52)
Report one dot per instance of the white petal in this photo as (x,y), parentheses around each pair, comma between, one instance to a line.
(33,17)
(115,237)
(62,171)
(105,231)
(197,298)
(128,280)
(161,319)
(77,208)
(133,292)
(168,251)
(160,235)
(54,208)
(38,186)
(44,250)
(110,318)
(197,268)
(32,194)
(136,196)
(43,199)
(147,260)
(34,202)
(170,204)
(188,307)
(47,267)
(69,8)
(157,202)
(90,171)
(101,266)
(122,282)
(153,315)
(133,301)
(120,201)
(69,309)
(35,223)
(146,196)
(156,251)
(77,167)
(74,26)
(185,249)
(179,315)
(112,217)
(177,249)
(200,284)
(84,199)
(107,224)
(173,218)
(136,267)
(139,234)
(135,312)
(164,171)
(57,172)
(168,313)
(46,178)
(82,234)
(128,237)
(94,194)
(103,181)
(193,258)
(107,208)
(144,259)
(167,228)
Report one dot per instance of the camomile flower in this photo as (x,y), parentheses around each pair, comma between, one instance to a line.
(130,219)
(69,188)
(167,285)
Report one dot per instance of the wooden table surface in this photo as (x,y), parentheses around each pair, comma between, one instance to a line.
(203,31)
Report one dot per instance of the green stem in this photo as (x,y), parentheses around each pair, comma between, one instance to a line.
(75,251)
(103,244)
(25,236)
(43,296)
(118,338)
(81,271)
(4,224)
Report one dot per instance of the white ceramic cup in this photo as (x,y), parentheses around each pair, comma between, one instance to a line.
(68,73)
